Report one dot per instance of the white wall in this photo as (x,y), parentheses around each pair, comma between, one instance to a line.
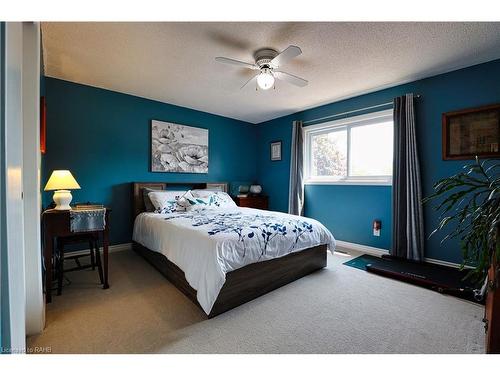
(35,305)
(4,300)
(13,183)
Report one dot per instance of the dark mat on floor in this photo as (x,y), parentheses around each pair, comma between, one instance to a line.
(362,261)
(442,279)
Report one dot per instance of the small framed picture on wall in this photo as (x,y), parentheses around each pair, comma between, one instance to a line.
(276,151)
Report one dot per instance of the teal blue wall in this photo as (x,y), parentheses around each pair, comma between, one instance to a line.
(103,137)
(349,211)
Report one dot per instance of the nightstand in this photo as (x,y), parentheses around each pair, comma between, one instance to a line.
(259,201)
(56,223)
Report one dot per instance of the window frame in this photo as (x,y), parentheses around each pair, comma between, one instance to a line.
(343,124)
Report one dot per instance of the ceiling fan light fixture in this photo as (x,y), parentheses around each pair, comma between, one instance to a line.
(267,61)
(265,80)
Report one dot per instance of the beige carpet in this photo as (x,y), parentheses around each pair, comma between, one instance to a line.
(337,310)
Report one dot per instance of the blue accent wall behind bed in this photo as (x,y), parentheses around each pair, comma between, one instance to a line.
(348,211)
(103,137)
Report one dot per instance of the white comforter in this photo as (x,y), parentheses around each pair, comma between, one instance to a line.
(206,244)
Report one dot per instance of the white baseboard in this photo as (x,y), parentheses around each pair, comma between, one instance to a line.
(444,263)
(111,249)
(344,245)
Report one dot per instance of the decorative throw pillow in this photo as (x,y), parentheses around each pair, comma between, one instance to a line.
(204,193)
(165,201)
(205,199)
(188,200)
(221,200)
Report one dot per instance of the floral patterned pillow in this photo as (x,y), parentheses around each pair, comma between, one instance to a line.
(205,199)
(166,202)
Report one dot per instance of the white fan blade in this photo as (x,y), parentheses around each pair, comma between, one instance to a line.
(243,64)
(253,79)
(286,55)
(290,78)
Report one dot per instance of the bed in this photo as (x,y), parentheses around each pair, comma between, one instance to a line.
(223,258)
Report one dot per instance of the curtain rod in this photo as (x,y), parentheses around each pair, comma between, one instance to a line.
(353,111)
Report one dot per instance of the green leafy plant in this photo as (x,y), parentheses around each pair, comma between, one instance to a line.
(469,205)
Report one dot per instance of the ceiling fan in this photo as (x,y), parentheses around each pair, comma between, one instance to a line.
(267,63)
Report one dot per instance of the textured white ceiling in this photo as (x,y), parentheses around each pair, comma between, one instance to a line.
(174,62)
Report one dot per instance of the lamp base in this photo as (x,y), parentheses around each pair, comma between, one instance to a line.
(63,199)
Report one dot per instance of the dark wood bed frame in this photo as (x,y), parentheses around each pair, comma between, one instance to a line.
(242,285)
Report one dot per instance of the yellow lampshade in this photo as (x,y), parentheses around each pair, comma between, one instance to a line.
(61,180)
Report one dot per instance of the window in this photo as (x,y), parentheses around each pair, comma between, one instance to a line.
(355,150)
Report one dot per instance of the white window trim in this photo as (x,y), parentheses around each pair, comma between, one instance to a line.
(353,121)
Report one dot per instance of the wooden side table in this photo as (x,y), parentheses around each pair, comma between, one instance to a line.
(56,223)
(258,201)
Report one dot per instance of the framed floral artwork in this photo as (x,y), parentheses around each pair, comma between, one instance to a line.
(472,132)
(178,148)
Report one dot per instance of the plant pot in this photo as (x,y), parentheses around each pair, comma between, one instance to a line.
(493,312)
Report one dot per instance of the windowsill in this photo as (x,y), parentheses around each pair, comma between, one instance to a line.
(367,182)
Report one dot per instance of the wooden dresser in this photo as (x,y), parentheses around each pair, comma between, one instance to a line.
(261,202)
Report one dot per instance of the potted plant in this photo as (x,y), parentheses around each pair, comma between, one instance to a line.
(469,205)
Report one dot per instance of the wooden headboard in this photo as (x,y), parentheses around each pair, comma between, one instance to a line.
(138,200)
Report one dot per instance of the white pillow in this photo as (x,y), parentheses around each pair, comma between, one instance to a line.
(218,199)
(203,193)
(207,190)
(205,199)
(165,201)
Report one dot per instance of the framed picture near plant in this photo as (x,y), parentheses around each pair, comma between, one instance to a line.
(276,151)
(471,132)
(178,148)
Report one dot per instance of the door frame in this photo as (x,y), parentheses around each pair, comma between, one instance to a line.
(13,293)
(35,304)
(21,293)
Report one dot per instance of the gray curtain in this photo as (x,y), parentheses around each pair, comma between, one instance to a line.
(296,197)
(407,216)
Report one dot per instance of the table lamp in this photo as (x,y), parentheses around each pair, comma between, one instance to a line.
(61,181)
